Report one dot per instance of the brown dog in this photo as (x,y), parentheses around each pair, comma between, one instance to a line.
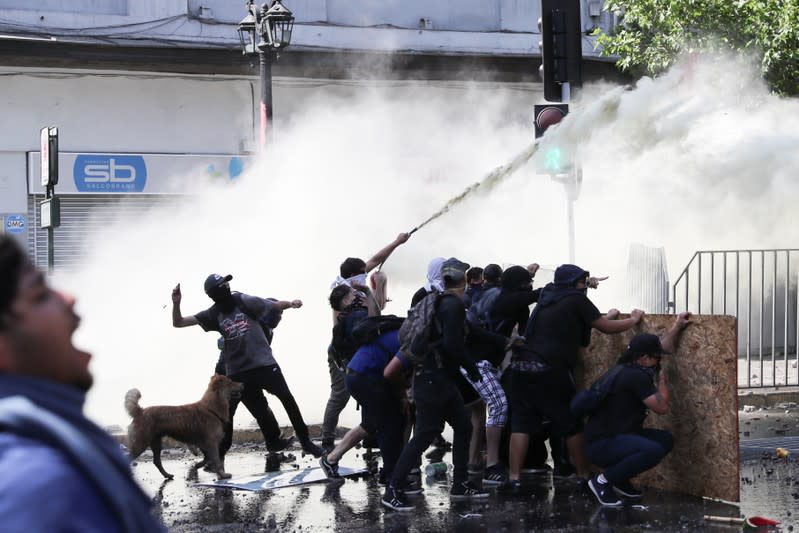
(200,424)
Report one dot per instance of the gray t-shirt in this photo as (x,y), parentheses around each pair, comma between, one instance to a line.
(246,346)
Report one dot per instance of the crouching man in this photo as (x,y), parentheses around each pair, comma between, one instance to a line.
(615,437)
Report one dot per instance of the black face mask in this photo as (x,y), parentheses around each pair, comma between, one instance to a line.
(223,298)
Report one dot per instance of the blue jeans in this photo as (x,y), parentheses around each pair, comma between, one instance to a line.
(627,455)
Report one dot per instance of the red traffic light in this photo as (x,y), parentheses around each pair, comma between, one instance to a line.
(548,115)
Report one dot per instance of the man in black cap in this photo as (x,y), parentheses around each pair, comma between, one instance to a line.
(542,374)
(615,437)
(245,323)
(436,393)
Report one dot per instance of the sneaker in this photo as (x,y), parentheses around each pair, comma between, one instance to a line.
(536,469)
(465,490)
(495,475)
(330,469)
(311,448)
(395,499)
(413,483)
(603,492)
(627,489)
(511,486)
(280,444)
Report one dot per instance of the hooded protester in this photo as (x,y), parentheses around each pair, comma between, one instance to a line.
(245,322)
(542,381)
(434,281)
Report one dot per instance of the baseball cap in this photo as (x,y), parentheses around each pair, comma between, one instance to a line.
(645,343)
(569,275)
(454,269)
(215,280)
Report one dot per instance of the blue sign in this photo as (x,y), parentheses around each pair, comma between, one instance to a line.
(109,173)
(15,223)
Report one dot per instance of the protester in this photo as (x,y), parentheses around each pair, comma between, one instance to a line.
(352,271)
(474,284)
(47,445)
(247,352)
(492,275)
(615,437)
(542,382)
(437,396)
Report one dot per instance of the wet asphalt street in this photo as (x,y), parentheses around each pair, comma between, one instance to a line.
(769,488)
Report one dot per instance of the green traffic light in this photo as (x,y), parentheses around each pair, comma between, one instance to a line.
(553,159)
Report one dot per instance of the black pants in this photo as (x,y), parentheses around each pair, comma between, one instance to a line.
(270,379)
(438,400)
(381,415)
(254,400)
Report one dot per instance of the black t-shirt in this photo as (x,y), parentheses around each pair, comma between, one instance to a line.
(451,319)
(623,410)
(511,309)
(558,331)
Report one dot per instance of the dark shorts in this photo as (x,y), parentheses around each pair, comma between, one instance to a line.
(470,396)
(541,397)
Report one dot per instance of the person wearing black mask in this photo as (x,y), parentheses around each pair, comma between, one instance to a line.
(542,373)
(245,322)
(615,437)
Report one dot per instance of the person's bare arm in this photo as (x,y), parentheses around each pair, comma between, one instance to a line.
(383,254)
(610,326)
(286,304)
(659,402)
(178,320)
(672,337)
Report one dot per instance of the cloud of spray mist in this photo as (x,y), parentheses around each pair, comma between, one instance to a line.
(672,163)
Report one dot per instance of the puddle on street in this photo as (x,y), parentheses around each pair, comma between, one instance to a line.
(354,504)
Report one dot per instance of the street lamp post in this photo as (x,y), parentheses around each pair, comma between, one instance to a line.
(271,27)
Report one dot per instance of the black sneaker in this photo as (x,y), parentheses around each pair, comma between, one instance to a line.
(512,487)
(311,448)
(603,492)
(536,469)
(466,490)
(627,489)
(413,483)
(495,475)
(395,499)
(280,444)
(330,469)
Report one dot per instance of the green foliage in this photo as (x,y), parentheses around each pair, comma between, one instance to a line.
(654,32)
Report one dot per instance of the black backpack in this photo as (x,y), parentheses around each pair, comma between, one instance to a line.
(479,312)
(370,328)
(587,402)
(419,334)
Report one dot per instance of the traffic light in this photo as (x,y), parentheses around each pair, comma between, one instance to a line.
(561,46)
(553,160)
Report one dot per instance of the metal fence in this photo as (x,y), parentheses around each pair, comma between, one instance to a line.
(759,287)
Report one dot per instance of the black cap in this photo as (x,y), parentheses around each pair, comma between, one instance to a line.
(215,280)
(454,269)
(645,344)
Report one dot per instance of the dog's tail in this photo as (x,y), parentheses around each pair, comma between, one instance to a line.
(132,403)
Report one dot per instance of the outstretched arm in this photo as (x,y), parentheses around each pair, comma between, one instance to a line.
(286,304)
(383,254)
(608,325)
(178,320)
(672,337)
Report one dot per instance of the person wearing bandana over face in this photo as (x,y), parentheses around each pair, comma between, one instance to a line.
(246,351)
(352,272)
(541,380)
(615,437)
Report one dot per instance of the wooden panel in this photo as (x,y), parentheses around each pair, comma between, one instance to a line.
(703,414)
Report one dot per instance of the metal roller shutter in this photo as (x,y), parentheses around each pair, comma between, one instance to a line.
(81,218)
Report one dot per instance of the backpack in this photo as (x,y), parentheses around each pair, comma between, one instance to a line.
(418,334)
(479,313)
(343,346)
(587,402)
(370,328)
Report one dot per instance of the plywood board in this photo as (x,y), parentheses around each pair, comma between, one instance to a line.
(703,414)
